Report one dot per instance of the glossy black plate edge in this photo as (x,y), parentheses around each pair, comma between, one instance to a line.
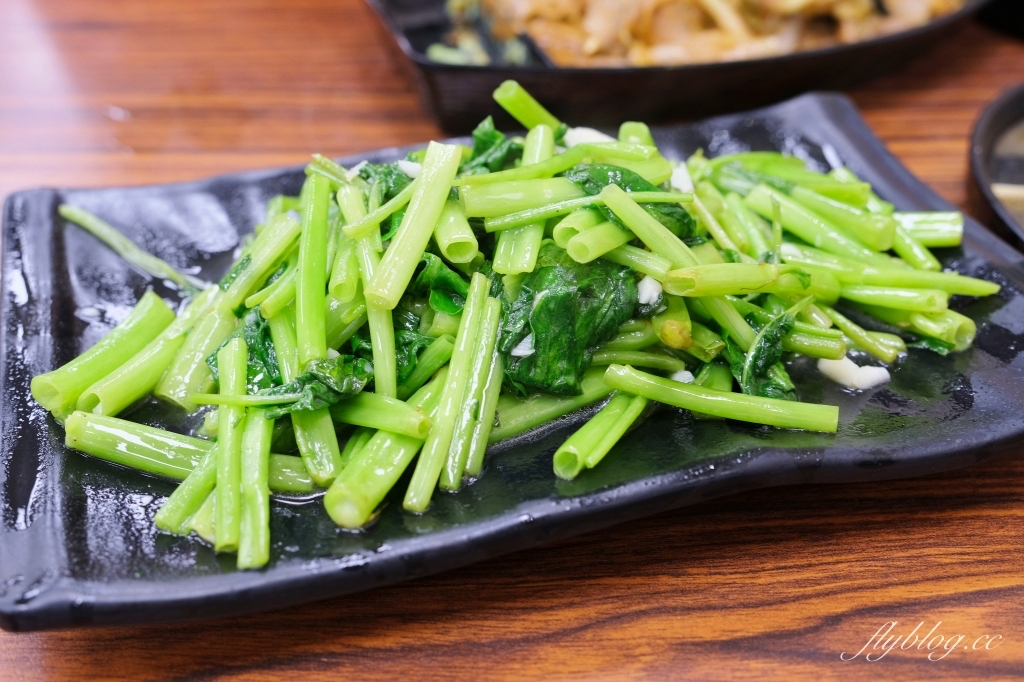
(444,88)
(993,122)
(63,602)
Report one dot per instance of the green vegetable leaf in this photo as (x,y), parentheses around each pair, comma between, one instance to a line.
(324,383)
(444,288)
(560,132)
(497,289)
(234,272)
(802,275)
(734,355)
(394,222)
(409,343)
(492,151)
(731,256)
(408,346)
(388,176)
(263,371)
(934,345)
(276,275)
(762,372)
(592,178)
(567,309)
(405,319)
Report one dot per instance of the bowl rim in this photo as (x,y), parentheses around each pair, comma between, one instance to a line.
(981,153)
(384,14)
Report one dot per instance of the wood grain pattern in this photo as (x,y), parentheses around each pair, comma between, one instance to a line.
(773,583)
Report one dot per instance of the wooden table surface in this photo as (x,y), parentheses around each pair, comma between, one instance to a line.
(774,583)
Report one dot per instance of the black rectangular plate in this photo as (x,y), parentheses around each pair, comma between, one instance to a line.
(459,96)
(77,541)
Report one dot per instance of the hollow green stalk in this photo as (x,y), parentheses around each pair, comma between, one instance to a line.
(454,236)
(380,412)
(59,390)
(853,272)
(792,282)
(268,290)
(644,262)
(281,294)
(635,131)
(933,228)
(392,278)
(913,252)
(516,416)
(719,280)
(163,453)
(314,431)
(382,328)
(434,356)
(568,206)
(376,467)
(781,413)
(595,152)
(174,514)
(873,204)
(502,198)
(659,361)
(917,300)
(435,448)
(344,283)
(638,339)
(707,192)
(488,408)
(232,360)
(765,315)
(661,241)
(578,221)
(354,444)
(597,241)
(517,249)
(139,376)
(443,324)
(751,223)
(814,346)
(267,251)
(884,352)
(311,284)
(521,105)
(876,232)
(808,225)
(204,522)
(254,536)
(590,451)
(948,326)
(472,400)
(372,220)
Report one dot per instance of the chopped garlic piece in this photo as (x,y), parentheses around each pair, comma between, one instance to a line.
(649,290)
(410,168)
(331,353)
(847,373)
(352,172)
(524,349)
(681,181)
(682,376)
(575,136)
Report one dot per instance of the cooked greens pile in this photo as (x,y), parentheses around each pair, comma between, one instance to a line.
(409,314)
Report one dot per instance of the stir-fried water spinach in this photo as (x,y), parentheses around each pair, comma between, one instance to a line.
(401,317)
